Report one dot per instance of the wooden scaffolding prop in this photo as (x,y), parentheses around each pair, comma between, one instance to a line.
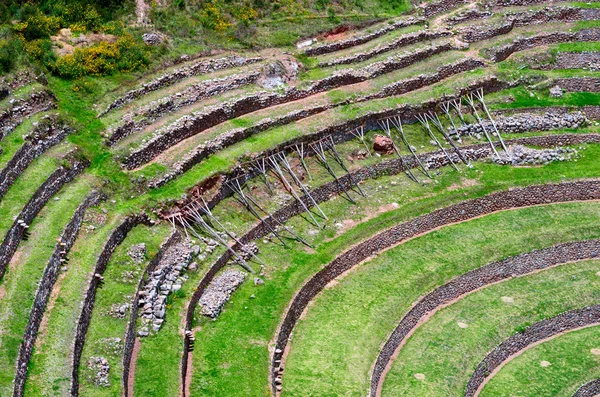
(197,219)
(471,101)
(447,109)
(479,95)
(324,146)
(252,205)
(435,120)
(424,120)
(385,127)
(397,123)
(359,133)
(260,165)
(301,153)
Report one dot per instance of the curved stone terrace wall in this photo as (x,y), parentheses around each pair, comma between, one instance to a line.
(358,40)
(404,40)
(155,110)
(516,266)
(49,277)
(48,133)
(545,329)
(188,126)
(503,52)
(167,79)
(518,19)
(173,239)
(441,6)
(115,239)
(468,15)
(515,198)
(590,389)
(578,60)
(20,109)
(323,193)
(237,135)
(39,199)
(579,84)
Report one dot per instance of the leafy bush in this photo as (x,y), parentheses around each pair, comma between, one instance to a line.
(125,55)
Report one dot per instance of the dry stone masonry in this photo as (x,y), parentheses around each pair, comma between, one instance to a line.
(20,109)
(47,133)
(590,389)
(166,278)
(521,155)
(195,69)
(475,279)
(219,291)
(354,41)
(578,60)
(565,322)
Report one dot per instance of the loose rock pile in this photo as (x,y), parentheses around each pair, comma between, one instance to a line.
(219,291)
(100,369)
(527,122)
(166,278)
(118,310)
(521,155)
(137,252)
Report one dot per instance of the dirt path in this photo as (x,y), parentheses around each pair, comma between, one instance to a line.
(134,355)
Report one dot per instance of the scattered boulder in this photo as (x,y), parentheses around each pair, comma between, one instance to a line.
(153,38)
(383,144)
(556,92)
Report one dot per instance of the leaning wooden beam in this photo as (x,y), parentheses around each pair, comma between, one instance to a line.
(446,108)
(197,218)
(261,167)
(205,209)
(299,149)
(457,105)
(306,192)
(471,102)
(253,200)
(479,96)
(288,186)
(385,127)
(235,186)
(322,158)
(397,122)
(423,118)
(359,134)
(330,145)
(438,124)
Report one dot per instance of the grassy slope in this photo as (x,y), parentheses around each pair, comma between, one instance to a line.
(29,263)
(447,354)
(118,289)
(572,365)
(226,360)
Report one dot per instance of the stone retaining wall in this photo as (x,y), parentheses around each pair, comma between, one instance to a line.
(155,110)
(20,109)
(404,40)
(130,336)
(503,52)
(191,125)
(43,137)
(511,3)
(564,322)
(579,84)
(517,19)
(167,79)
(590,389)
(325,192)
(61,250)
(358,40)
(514,198)
(237,135)
(48,189)
(492,273)
(441,6)
(578,60)
(115,239)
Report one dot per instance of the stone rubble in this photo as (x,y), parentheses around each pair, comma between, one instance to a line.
(167,277)
(219,292)
(137,252)
(100,369)
(521,155)
(524,122)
